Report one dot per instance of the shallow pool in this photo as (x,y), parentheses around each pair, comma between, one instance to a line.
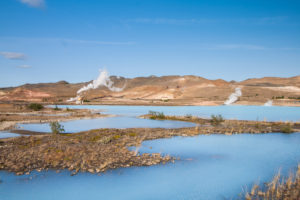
(109,122)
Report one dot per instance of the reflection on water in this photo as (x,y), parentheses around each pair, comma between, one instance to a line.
(211,167)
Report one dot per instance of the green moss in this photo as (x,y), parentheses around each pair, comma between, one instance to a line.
(67,159)
(132,134)
(95,138)
(58,150)
(65,134)
(115,137)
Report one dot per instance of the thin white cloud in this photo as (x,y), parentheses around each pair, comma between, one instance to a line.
(67,41)
(24,66)
(271,20)
(172,21)
(245,47)
(95,42)
(13,55)
(34,3)
(237,46)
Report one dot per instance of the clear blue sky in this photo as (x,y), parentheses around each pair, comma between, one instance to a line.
(52,40)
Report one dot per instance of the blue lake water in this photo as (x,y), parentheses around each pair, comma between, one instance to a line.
(212,167)
(4,134)
(109,122)
(269,113)
(128,116)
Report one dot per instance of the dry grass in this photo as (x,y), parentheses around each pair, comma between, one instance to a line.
(278,189)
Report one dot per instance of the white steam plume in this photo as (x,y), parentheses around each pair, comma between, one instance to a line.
(102,80)
(269,103)
(234,96)
(72,99)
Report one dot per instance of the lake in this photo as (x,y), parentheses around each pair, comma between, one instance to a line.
(5,134)
(211,167)
(127,116)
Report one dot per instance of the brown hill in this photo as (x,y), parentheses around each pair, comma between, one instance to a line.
(177,90)
(273,81)
(271,88)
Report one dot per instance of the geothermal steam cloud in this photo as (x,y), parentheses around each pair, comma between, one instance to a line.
(269,103)
(102,80)
(234,96)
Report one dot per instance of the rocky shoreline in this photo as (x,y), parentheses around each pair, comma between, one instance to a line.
(229,127)
(93,151)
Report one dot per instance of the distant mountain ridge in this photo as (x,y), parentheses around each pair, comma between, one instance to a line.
(189,90)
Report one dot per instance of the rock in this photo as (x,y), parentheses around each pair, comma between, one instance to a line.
(19,173)
(156,154)
(98,170)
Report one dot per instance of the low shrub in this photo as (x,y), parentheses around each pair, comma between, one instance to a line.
(278,97)
(56,127)
(35,106)
(216,119)
(156,115)
(56,108)
(189,116)
(286,128)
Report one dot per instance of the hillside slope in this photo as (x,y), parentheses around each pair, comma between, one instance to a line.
(178,90)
